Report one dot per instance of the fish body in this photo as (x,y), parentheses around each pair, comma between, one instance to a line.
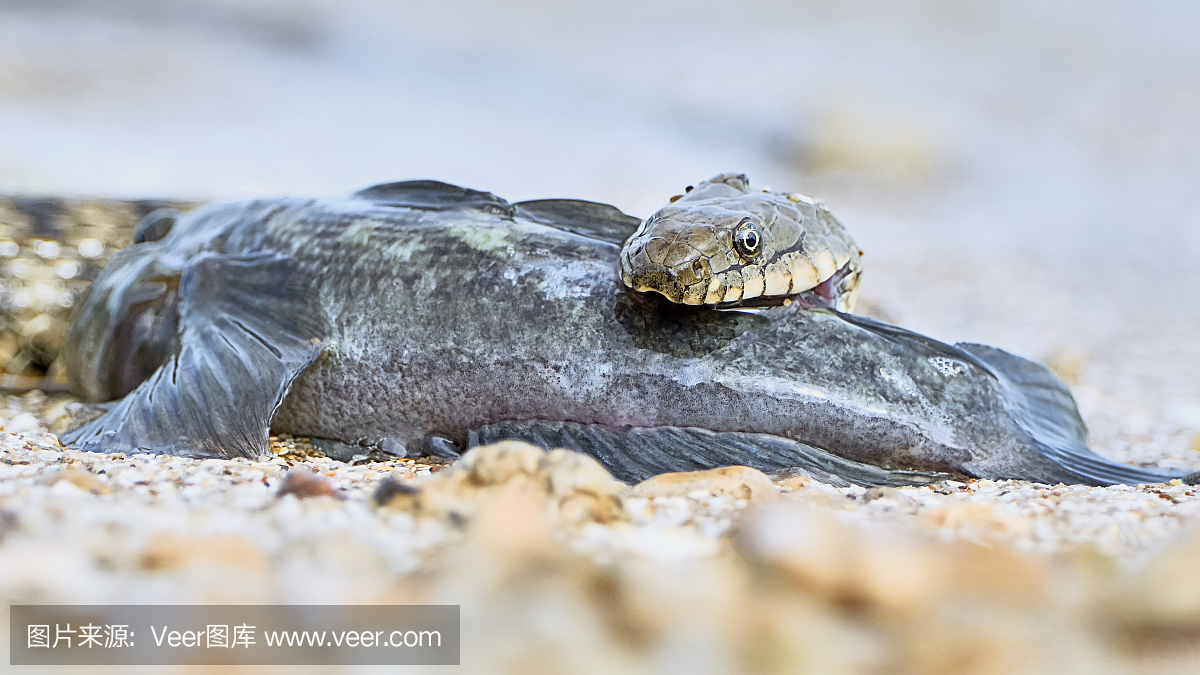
(422,318)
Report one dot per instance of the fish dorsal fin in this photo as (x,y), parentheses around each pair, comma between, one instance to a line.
(432,195)
(589,219)
(248,329)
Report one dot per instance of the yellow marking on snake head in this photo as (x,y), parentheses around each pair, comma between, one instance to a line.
(804,273)
(694,294)
(826,266)
(753,283)
(733,284)
(716,292)
(778,278)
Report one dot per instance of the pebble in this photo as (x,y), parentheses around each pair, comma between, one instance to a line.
(735,482)
(305,483)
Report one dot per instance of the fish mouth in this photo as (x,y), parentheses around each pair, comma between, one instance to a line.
(835,292)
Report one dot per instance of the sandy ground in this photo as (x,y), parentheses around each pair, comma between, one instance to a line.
(558,568)
(1019,174)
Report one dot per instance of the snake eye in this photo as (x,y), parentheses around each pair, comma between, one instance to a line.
(747,239)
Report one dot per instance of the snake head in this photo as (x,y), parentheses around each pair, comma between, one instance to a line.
(722,244)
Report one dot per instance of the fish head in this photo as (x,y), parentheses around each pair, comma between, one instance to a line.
(126,324)
(725,245)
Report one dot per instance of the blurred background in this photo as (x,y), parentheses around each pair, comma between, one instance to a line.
(1022,173)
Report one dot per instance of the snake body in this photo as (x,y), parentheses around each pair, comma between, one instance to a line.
(725,245)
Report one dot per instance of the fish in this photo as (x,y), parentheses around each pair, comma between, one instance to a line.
(422,319)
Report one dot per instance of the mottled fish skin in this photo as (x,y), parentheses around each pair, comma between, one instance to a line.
(441,320)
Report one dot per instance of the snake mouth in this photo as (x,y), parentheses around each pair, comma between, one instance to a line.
(835,292)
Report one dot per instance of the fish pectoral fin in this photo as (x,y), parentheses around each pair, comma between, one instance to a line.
(248,329)
(633,454)
(589,219)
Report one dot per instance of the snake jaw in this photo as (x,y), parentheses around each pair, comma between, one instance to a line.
(694,283)
(685,282)
(838,291)
(656,281)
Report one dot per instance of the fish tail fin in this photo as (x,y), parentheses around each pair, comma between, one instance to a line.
(1043,407)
